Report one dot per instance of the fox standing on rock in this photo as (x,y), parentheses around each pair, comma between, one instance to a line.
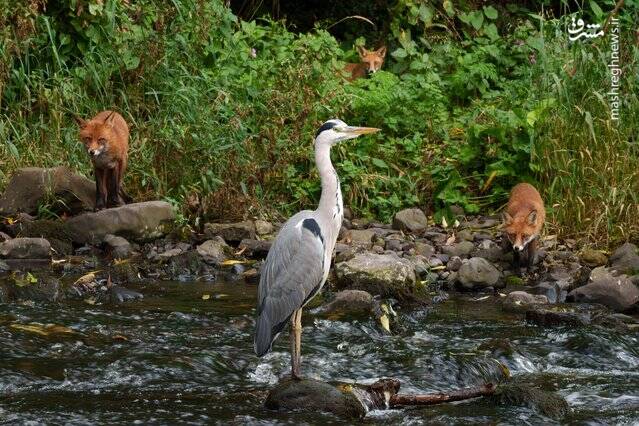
(106,138)
(523,220)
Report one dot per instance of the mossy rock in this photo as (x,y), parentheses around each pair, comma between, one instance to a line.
(313,396)
(548,403)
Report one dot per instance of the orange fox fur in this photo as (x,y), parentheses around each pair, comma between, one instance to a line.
(523,221)
(106,139)
(371,62)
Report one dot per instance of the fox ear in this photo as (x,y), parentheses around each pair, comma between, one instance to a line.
(382,51)
(508,219)
(532,217)
(109,119)
(82,123)
(362,51)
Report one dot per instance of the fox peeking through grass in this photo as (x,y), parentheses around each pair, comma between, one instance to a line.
(106,138)
(371,62)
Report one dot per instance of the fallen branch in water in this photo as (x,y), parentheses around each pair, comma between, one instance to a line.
(440,398)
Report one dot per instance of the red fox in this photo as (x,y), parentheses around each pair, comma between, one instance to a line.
(106,138)
(523,220)
(372,61)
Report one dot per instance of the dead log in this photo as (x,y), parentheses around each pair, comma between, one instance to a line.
(440,398)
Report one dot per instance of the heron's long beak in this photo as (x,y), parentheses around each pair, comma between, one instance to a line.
(359,130)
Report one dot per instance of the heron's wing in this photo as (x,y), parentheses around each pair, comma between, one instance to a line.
(291,275)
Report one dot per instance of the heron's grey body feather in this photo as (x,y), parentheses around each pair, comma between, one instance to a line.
(298,262)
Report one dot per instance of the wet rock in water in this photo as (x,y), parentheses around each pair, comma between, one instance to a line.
(119,294)
(547,403)
(138,221)
(626,259)
(231,232)
(517,300)
(314,396)
(478,273)
(25,248)
(385,274)
(616,292)
(411,220)
(353,302)
(551,290)
(360,237)
(23,287)
(558,316)
(30,187)
(461,249)
(214,250)
(263,227)
(119,247)
(593,257)
(255,248)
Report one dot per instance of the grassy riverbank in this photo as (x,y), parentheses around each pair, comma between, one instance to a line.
(223,111)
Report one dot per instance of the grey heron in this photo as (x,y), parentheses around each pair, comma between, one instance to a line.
(299,260)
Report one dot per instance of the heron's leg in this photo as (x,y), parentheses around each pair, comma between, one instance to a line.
(296,339)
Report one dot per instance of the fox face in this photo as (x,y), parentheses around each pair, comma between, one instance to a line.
(521,230)
(96,134)
(372,59)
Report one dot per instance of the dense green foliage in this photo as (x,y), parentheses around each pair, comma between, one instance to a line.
(222,111)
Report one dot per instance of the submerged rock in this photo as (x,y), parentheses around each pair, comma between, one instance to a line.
(616,292)
(313,396)
(549,404)
(25,248)
(32,186)
(385,274)
(232,232)
(412,220)
(138,221)
(478,273)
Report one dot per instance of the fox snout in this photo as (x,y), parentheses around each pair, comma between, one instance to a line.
(95,152)
(518,247)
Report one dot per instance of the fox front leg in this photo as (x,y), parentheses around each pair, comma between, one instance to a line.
(532,253)
(114,199)
(100,189)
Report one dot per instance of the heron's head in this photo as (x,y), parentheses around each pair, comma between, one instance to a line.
(334,131)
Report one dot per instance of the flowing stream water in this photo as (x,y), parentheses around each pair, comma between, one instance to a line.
(175,358)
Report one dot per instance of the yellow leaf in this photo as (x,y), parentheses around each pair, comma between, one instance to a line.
(90,301)
(232,262)
(86,278)
(206,296)
(36,329)
(117,262)
(385,322)
(31,278)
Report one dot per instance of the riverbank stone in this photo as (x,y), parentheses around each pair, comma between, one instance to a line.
(412,220)
(477,273)
(25,248)
(616,292)
(231,232)
(118,247)
(214,250)
(625,259)
(31,186)
(139,222)
(386,274)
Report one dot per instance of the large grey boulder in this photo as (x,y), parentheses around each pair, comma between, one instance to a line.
(616,292)
(626,259)
(412,220)
(25,248)
(32,186)
(138,221)
(478,273)
(232,232)
(385,274)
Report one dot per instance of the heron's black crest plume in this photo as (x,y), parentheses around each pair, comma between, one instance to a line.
(326,126)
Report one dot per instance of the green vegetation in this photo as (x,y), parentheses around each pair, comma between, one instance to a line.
(222,111)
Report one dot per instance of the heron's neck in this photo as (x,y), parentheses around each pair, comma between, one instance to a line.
(330,205)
